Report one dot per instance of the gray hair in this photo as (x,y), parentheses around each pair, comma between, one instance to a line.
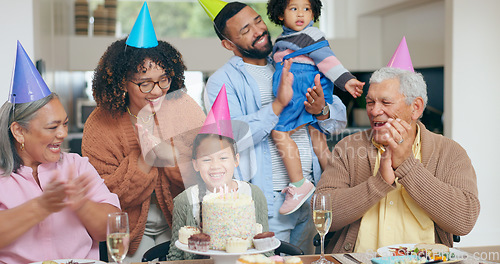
(411,84)
(10,161)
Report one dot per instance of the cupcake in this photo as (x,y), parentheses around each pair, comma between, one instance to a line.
(293,260)
(200,242)
(236,245)
(185,232)
(264,240)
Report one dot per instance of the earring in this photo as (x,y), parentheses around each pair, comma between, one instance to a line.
(22,146)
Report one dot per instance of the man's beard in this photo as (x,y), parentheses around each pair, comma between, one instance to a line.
(256,53)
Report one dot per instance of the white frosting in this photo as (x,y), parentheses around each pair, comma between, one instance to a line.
(228,215)
(185,232)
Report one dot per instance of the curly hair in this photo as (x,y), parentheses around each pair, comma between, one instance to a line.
(120,61)
(276,9)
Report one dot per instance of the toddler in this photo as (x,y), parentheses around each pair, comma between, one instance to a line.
(311,56)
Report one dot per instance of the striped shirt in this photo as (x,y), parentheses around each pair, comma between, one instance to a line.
(263,75)
(324,58)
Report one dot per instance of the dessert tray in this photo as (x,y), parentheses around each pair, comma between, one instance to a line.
(222,257)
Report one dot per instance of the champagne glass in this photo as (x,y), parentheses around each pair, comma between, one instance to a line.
(322,217)
(118,236)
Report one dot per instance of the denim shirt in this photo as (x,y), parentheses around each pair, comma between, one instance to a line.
(245,104)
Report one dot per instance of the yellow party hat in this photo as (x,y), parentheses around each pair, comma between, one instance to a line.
(212,7)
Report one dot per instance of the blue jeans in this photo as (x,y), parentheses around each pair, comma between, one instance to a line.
(297,227)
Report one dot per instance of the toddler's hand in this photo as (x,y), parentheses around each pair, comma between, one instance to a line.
(354,87)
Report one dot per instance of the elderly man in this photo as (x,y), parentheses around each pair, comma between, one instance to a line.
(398,182)
(248,80)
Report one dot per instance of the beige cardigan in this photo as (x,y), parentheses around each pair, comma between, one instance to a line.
(444,185)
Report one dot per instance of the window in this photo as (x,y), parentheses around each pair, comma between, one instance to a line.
(175,18)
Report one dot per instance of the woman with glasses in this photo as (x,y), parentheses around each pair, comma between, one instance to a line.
(130,135)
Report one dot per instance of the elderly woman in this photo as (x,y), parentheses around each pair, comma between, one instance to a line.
(53,205)
(130,87)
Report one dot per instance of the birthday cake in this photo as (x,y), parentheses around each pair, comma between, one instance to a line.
(227,215)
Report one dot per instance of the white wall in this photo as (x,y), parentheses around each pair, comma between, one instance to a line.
(80,58)
(380,31)
(16,23)
(423,27)
(472,108)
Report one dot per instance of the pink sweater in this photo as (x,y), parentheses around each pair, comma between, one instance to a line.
(62,234)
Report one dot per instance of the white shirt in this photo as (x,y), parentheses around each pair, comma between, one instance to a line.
(263,75)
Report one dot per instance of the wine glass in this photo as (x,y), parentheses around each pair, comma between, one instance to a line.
(118,236)
(322,217)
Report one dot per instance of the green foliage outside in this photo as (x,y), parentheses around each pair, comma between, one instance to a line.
(179,19)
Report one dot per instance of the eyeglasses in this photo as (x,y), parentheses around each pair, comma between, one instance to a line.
(148,86)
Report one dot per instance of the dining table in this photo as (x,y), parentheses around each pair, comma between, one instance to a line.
(355,258)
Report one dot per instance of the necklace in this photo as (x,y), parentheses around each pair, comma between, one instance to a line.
(143,120)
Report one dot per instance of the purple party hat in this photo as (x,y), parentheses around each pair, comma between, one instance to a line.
(27,84)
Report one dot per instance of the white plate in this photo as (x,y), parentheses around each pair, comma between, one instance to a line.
(386,252)
(64,261)
(184,247)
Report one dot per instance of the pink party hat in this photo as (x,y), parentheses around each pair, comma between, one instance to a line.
(27,84)
(401,58)
(218,119)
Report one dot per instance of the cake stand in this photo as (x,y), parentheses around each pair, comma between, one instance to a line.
(222,257)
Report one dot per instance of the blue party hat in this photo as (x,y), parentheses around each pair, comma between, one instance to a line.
(143,34)
(27,85)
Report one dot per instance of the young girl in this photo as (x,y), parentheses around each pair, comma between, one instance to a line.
(311,56)
(214,158)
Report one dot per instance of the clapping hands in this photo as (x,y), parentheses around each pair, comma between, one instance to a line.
(398,147)
(155,150)
(147,142)
(58,194)
(54,194)
(76,190)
